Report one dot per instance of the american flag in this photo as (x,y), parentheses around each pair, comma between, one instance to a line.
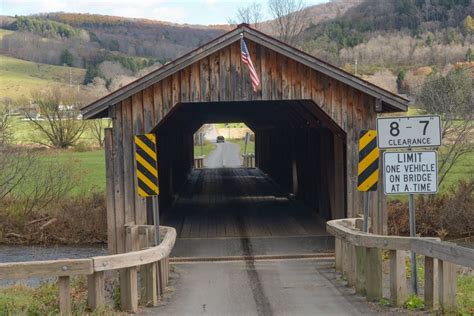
(246,59)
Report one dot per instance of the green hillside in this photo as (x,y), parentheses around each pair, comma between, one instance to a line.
(18,78)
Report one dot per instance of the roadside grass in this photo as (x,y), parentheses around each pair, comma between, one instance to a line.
(44,300)
(241,143)
(206,149)
(18,78)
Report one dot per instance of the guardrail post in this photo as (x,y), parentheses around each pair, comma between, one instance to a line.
(431,283)
(373,274)
(360,253)
(148,273)
(338,254)
(348,263)
(447,286)
(64,295)
(95,290)
(128,276)
(398,278)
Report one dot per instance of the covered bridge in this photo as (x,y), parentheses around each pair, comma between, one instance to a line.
(306,118)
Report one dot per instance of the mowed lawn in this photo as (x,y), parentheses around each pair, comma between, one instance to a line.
(19,78)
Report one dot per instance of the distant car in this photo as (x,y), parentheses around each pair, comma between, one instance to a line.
(220,139)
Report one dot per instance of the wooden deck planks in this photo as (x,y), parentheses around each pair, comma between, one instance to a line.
(239,202)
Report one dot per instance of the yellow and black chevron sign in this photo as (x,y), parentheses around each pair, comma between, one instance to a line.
(368,170)
(147,166)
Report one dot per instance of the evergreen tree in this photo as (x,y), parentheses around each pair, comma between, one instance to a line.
(91,73)
(66,58)
(469,55)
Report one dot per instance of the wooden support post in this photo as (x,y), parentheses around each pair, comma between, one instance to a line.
(345,259)
(95,290)
(447,286)
(161,276)
(431,282)
(148,271)
(64,295)
(360,253)
(338,254)
(398,278)
(373,271)
(128,276)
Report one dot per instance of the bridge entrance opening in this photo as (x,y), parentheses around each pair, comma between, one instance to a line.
(295,183)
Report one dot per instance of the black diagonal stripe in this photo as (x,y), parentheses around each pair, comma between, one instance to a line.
(362,133)
(368,172)
(148,142)
(147,173)
(146,156)
(146,188)
(367,149)
(373,188)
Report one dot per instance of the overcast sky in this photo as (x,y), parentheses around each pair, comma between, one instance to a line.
(178,11)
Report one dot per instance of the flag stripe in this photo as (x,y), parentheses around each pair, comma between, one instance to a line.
(246,60)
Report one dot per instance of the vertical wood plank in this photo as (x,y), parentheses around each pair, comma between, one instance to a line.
(361,266)
(158,102)
(285,80)
(128,276)
(374,274)
(148,110)
(266,74)
(447,286)
(339,190)
(119,179)
(205,79)
(138,128)
(431,283)
(64,295)
(176,88)
(185,88)
(398,278)
(128,160)
(338,253)
(95,290)
(214,69)
(236,72)
(224,74)
(110,192)
(167,92)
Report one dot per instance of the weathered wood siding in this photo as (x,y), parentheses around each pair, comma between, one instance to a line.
(221,76)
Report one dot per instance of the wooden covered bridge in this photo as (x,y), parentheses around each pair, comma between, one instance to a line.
(306,118)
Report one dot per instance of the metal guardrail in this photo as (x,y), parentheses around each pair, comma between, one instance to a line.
(358,257)
(153,262)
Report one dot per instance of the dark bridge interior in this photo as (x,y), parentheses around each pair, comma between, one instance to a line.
(300,175)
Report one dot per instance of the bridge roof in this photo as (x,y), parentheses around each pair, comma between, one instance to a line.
(389,100)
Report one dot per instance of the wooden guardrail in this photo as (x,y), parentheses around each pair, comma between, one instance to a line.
(152,261)
(199,162)
(358,257)
(248,160)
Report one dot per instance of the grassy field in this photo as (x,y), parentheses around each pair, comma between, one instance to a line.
(207,148)
(18,78)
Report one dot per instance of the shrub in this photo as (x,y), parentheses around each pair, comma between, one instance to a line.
(449,214)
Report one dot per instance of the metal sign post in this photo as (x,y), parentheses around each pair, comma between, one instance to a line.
(247,138)
(411,211)
(201,143)
(146,156)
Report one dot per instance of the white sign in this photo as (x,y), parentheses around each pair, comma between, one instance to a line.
(410,172)
(408,131)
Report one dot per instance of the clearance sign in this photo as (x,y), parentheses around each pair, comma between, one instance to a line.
(409,132)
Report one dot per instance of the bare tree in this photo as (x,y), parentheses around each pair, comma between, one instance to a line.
(251,14)
(47,183)
(58,124)
(97,129)
(290,17)
(451,97)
